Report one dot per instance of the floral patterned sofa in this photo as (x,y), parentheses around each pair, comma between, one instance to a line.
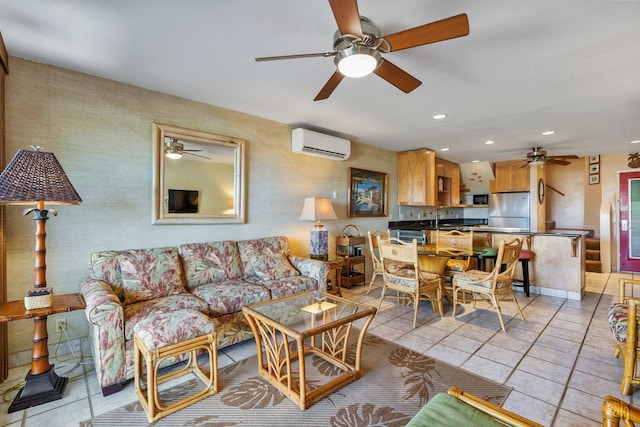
(215,278)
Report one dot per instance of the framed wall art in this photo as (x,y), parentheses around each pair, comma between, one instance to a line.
(594,168)
(594,159)
(367,193)
(594,179)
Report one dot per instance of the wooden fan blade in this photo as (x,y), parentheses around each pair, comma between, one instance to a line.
(197,155)
(557,161)
(302,55)
(572,156)
(445,29)
(397,77)
(329,87)
(347,16)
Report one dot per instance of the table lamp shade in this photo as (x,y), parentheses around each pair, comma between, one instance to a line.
(36,176)
(318,209)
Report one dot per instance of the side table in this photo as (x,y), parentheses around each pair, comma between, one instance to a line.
(336,265)
(42,384)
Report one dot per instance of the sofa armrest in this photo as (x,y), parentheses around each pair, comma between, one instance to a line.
(313,268)
(106,321)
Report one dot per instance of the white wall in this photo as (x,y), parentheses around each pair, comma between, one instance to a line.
(101,132)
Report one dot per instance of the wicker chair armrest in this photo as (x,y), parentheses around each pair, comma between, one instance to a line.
(507,417)
(615,410)
(626,288)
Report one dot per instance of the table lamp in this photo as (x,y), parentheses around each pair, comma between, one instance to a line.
(318,209)
(36,177)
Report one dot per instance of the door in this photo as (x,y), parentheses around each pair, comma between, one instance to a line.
(629,221)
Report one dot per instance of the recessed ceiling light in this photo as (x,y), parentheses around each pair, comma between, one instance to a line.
(637,141)
(439,116)
(489,142)
(444,149)
(475,161)
(548,132)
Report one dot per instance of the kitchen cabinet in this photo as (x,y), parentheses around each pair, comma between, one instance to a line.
(424,180)
(510,177)
(416,178)
(448,182)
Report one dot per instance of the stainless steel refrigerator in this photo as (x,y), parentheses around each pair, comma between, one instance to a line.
(509,210)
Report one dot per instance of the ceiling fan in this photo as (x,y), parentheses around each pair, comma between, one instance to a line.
(357,46)
(174,149)
(538,157)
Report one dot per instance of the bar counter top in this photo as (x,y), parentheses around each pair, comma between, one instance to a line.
(475,225)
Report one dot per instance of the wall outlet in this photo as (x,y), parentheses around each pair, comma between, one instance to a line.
(61,324)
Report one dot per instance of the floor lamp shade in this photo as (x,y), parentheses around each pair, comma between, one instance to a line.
(318,209)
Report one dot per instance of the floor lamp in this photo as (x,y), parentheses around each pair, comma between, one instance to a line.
(36,177)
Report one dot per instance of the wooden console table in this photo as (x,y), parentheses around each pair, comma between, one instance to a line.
(42,384)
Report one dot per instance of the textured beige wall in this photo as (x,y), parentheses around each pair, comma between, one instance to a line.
(101,132)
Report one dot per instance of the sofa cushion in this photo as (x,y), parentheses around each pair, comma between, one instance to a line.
(105,266)
(151,274)
(618,318)
(134,313)
(289,285)
(253,248)
(209,262)
(272,266)
(229,296)
(160,330)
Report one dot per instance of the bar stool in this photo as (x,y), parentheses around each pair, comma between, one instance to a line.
(525,256)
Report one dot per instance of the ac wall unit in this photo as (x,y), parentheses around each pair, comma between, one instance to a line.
(304,141)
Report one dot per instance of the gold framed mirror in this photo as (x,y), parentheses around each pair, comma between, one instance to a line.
(198,177)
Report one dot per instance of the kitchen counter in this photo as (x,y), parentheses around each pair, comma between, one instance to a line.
(558,264)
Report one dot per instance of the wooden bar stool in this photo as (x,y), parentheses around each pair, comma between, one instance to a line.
(162,336)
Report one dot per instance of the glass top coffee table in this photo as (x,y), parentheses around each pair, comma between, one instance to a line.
(289,329)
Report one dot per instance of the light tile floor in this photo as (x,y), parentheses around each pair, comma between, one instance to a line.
(558,361)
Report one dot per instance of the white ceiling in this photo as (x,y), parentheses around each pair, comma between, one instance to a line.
(525,67)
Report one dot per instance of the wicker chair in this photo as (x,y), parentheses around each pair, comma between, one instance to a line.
(492,286)
(459,246)
(615,410)
(623,321)
(461,408)
(375,258)
(401,273)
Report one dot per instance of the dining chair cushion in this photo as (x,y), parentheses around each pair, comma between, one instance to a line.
(457,265)
(473,276)
(618,318)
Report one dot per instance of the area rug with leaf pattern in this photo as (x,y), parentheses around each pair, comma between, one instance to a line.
(396,382)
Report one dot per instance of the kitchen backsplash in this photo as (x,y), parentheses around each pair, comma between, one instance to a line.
(416,213)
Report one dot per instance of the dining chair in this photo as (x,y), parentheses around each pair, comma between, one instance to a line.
(375,258)
(401,273)
(459,246)
(624,323)
(495,285)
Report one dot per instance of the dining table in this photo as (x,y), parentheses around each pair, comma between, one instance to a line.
(481,253)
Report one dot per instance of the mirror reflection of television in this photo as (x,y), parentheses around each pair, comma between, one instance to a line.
(183,201)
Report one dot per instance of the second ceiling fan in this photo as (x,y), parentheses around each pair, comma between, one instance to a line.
(357,46)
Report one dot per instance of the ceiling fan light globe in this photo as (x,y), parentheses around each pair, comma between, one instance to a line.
(173,155)
(536,163)
(357,61)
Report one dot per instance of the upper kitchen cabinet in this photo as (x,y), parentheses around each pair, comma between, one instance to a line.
(416,178)
(510,177)
(424,180)
(448,182)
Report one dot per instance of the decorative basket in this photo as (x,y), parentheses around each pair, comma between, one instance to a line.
(31,302)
